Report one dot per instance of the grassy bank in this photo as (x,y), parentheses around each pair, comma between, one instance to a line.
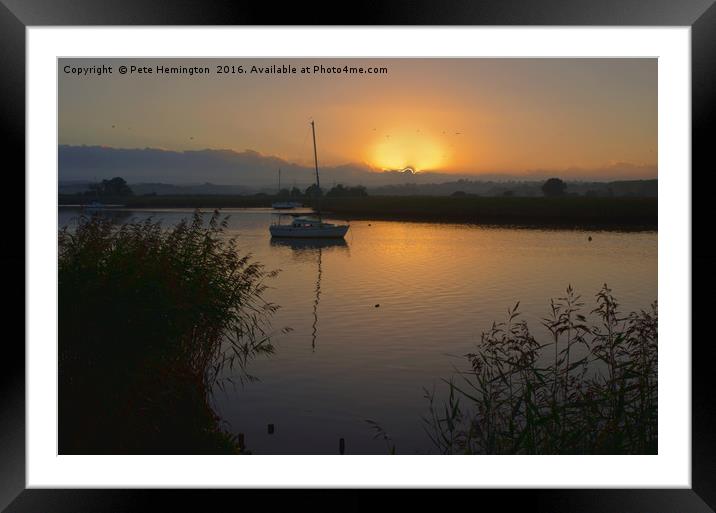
(589,388)
(208,201)
(578,211)
(148,318)
(606,213)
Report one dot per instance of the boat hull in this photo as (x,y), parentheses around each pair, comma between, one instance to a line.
(331,232)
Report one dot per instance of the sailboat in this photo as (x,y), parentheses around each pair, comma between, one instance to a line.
(283,205)
(308,228)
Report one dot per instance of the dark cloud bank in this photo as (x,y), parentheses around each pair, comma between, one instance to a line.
(253,170)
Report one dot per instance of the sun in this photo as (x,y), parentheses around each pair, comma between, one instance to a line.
(418,152)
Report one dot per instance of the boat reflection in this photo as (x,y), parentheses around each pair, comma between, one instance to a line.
(310,250)
(309,245)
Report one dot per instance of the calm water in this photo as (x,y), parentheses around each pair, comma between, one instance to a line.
(438,286)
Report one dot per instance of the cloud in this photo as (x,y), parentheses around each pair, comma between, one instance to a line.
(251,168)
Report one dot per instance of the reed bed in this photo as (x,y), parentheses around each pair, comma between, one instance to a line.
(591,388)
(149,318)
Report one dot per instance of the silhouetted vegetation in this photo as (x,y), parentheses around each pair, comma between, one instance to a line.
(313,191)
(520,188)
(116,187)
(284,194)
(554,187)
(341,191)
(589,389)
(568,212)
(148,319)
(617,213)
(202,201)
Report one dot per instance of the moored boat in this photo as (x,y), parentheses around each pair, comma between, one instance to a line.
(303,227)
(307,228)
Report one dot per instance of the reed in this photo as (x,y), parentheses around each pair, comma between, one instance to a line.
(149,320)
(591,388)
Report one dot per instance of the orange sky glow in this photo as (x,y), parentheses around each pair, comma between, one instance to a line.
(446,115)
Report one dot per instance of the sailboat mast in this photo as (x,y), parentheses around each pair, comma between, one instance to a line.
(315,154)
(279,180)
(315,161)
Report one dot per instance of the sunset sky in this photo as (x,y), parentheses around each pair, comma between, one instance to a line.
(451,115)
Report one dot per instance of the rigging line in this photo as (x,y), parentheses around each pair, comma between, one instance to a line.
(305,138)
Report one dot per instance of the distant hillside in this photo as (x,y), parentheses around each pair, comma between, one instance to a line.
(247,169)
(253,171)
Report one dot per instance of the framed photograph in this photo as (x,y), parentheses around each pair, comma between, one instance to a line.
(437,249)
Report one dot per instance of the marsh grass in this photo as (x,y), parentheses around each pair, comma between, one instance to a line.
(149,320)
(591,388)
(620,213)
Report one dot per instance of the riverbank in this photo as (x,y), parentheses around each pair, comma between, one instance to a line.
(207,201)
(621,213)
(567,212)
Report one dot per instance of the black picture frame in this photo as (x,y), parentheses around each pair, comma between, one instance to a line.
(700,15)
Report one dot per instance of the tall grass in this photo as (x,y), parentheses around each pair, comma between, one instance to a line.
(591,388)
(148,319)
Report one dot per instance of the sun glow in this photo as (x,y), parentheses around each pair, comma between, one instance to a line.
(419,152)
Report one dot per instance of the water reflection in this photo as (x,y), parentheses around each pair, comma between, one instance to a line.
(307,250)
(438,286)
(309,246)
(314,334)
(116,216)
